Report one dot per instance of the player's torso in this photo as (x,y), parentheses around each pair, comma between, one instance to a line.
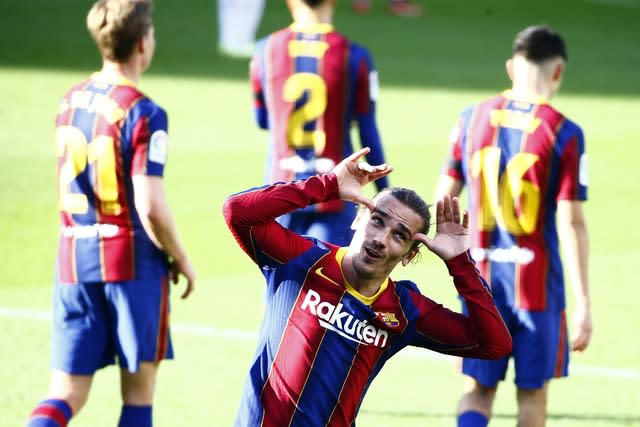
(309,80)
(321,345)
(101,234)
(511,163)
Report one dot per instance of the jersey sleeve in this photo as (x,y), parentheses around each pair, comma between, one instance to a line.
(453,165)
(147,124)
(250,216)
(255,78)
(482,334)
(573,175)
(366,96)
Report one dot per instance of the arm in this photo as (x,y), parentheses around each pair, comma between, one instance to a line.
(366,96)
(259,108)
(251,215)
(157,220)
(448,185)
(483,334)
(572,229)
(451,180)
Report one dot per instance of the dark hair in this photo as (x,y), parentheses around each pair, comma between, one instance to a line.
(412,200)
(313,3)
(538,43)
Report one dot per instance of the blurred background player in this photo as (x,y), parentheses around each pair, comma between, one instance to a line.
(118,245)
(396,7)
(238,23)
(334,316)
(310,84)
(524,164)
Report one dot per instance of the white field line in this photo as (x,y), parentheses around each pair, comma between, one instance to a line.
(249,336)
(624,3)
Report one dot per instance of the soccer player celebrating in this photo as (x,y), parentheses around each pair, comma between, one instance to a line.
(524,164)
(310,84)
(118,245)
(333,315)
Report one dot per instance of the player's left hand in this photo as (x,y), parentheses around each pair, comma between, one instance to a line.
(582,327)
(452,230)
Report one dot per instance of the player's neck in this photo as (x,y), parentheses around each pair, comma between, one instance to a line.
(367,287)
(531,81)
(305,16)
(128,70)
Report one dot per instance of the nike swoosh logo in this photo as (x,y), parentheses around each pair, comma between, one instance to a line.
(321,274)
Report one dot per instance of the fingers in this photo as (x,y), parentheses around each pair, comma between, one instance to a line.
(448,210)
(358,154)
(188,290)
(465,219)
(455,208)
(579,343)
(173,273)
(420,237)
(367,202)
(580,340)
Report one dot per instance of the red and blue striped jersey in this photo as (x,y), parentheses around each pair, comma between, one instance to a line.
(310,84)
(518,158)
(321,343)
(106,132)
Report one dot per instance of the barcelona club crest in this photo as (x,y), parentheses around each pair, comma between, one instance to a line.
(389,319)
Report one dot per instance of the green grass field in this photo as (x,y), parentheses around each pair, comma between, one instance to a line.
(430,68)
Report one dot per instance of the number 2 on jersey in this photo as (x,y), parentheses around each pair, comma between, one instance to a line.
(509,201)
(316,89)
(77,153)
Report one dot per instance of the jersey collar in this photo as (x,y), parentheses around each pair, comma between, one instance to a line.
(111,79)
(363,299)
(537,99)
(313,28)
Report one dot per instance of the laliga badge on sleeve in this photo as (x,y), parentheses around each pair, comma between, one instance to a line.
(158,147)
(454,134)
(583,174)
(374,85)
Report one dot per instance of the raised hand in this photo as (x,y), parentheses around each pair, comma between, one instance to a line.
(353,175)
(452,230)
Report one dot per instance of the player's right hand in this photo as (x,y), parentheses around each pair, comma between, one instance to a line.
(353,175)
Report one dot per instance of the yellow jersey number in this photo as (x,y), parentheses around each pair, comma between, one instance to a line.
(311,110)
(77,153)
(502,195)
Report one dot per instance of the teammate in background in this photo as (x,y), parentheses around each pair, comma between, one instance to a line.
(333,315)
(118,244)
(396,7)
(310,84)
(238,22)
(524,164)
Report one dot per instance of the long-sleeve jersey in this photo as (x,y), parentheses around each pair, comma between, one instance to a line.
(518,158)
(321,342)
(310,84)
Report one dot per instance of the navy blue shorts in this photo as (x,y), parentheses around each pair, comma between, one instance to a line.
(540,350)
(93,323)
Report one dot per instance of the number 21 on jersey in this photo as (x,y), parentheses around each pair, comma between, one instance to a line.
(76,154)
